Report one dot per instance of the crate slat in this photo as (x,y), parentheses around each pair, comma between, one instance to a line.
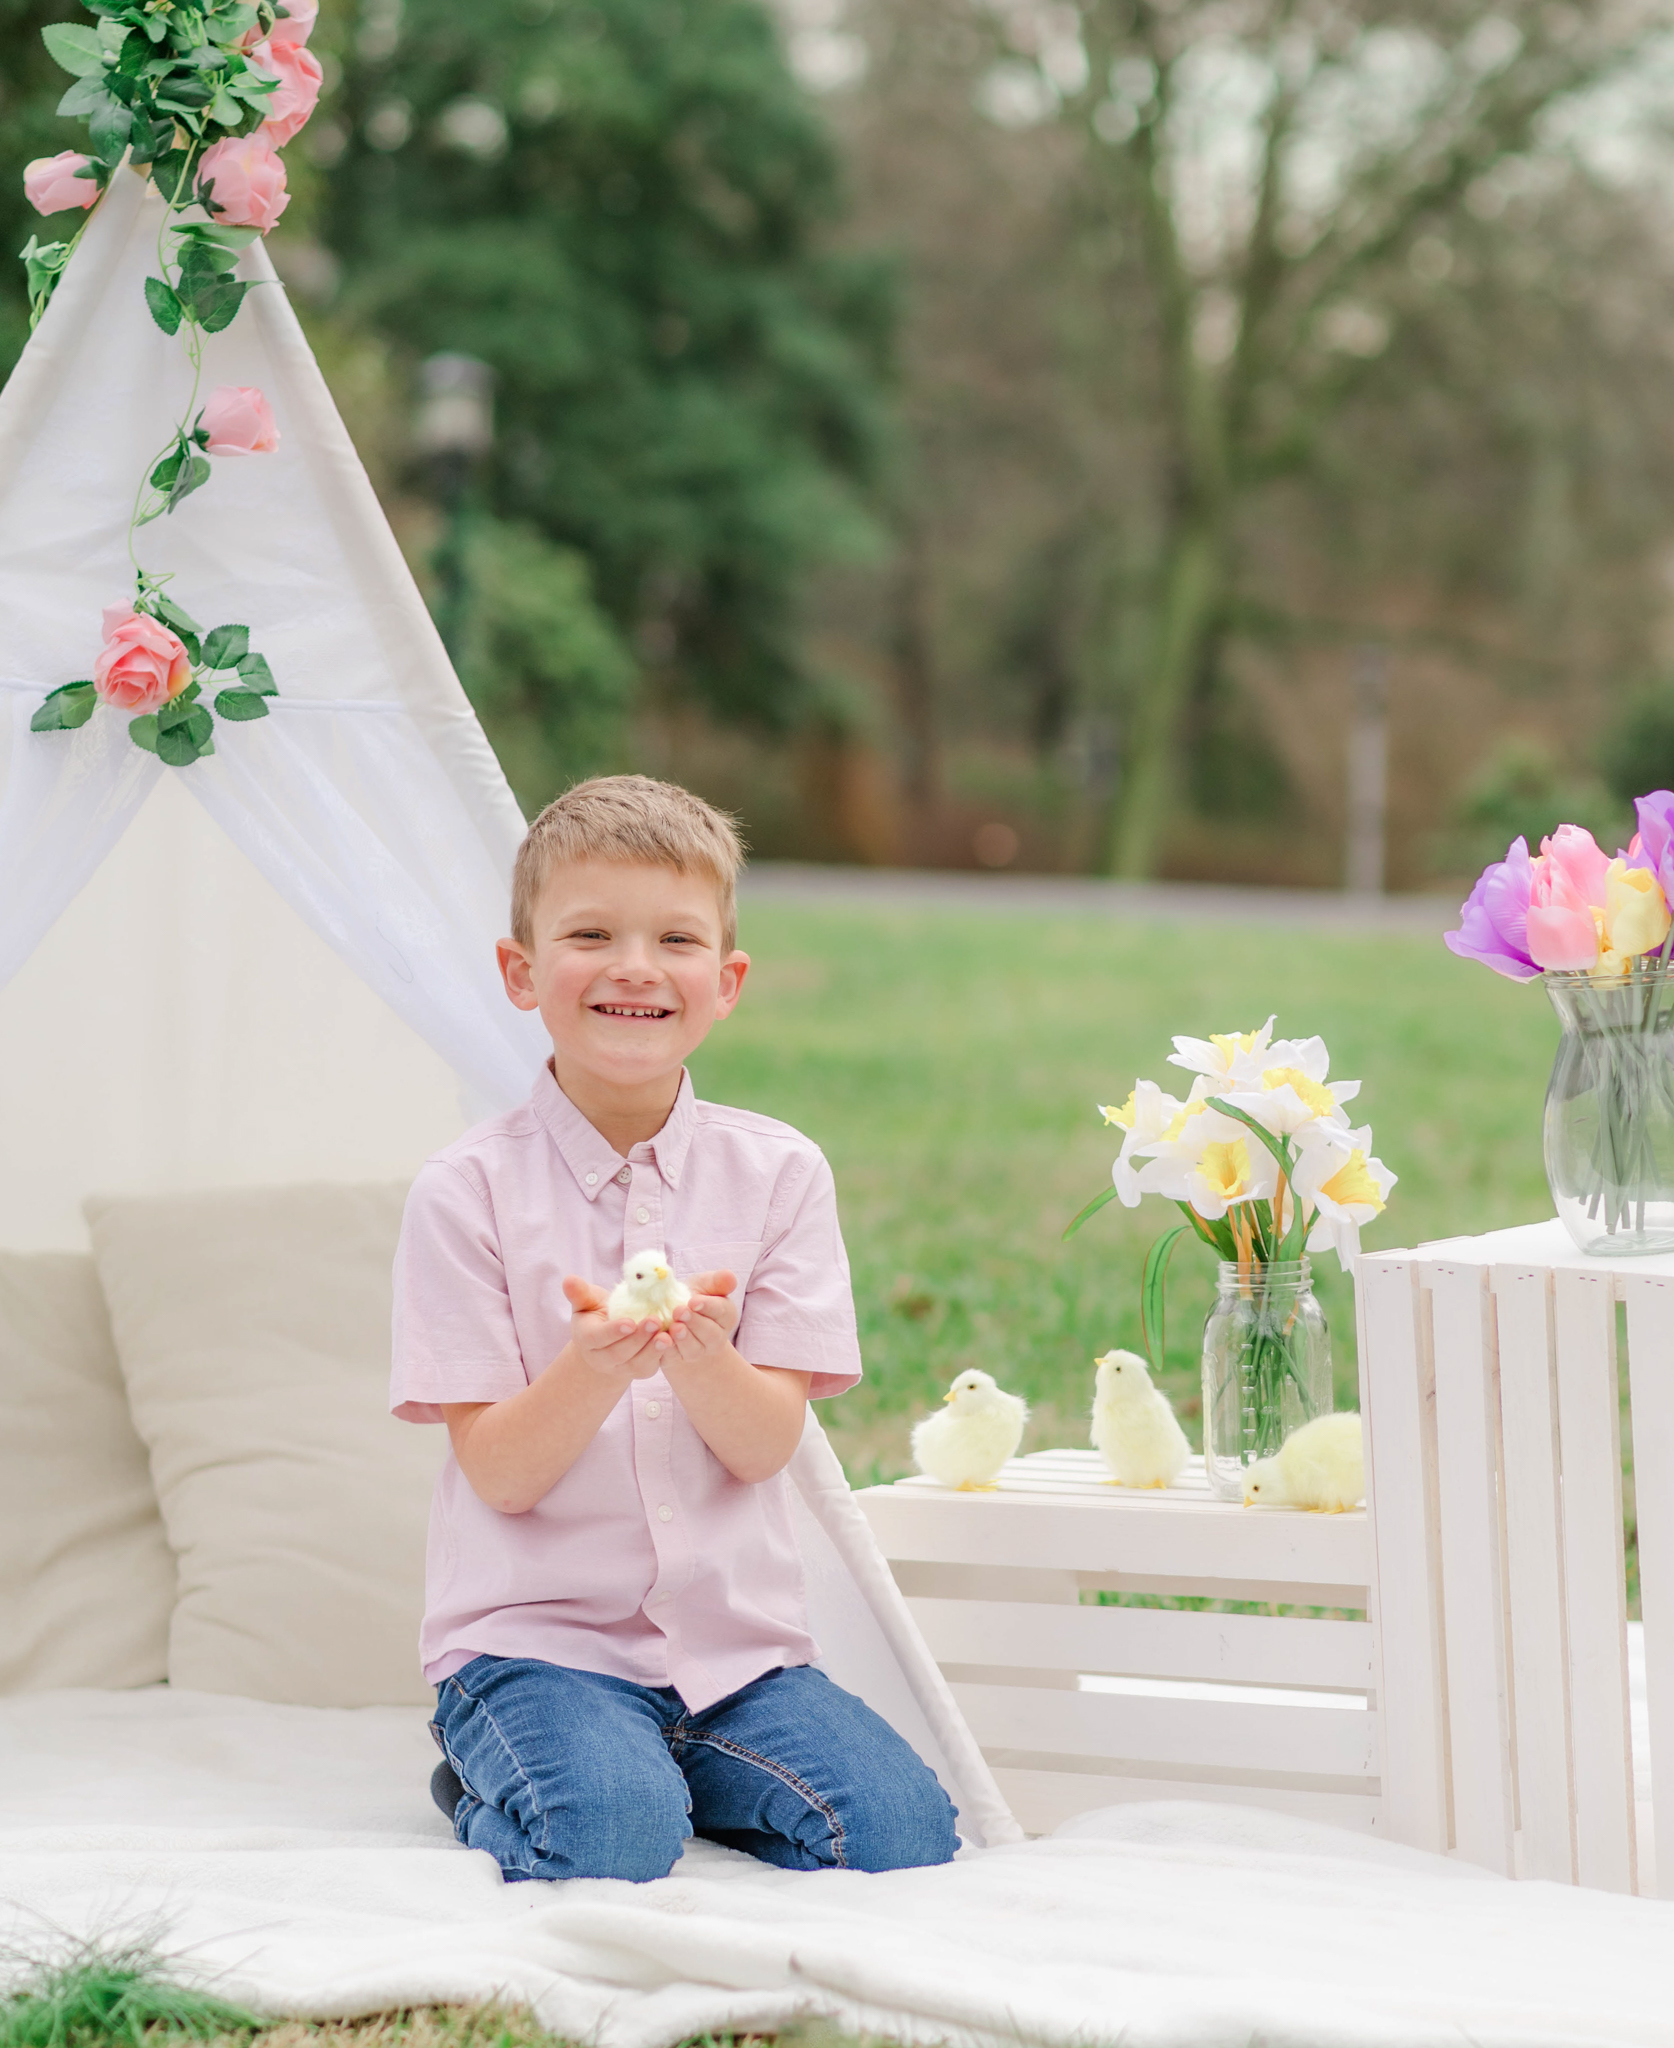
(1306,1742)
(1230,1649)
(1650,1321)
(1044,1800)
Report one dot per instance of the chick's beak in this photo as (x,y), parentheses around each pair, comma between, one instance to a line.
(948,1396)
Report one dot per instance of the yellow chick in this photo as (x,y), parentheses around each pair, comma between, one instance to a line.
(1134,1428)
(647,1291)
(979,1428)
(1321,1467)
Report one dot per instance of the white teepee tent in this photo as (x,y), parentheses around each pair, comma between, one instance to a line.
(276,964)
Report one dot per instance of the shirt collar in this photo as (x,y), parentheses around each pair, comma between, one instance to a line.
(593,1161)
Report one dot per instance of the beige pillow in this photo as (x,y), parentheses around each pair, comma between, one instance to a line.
(86,1579)
(253,1330)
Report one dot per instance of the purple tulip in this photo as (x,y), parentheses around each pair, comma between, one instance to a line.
(1653,844)
(1494,923)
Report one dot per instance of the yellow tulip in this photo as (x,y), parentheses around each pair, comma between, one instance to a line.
(1636,916)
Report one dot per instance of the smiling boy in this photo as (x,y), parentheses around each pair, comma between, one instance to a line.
(614,1620)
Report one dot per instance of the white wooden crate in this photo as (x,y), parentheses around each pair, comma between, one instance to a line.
(1079,1705)
(1489,1385)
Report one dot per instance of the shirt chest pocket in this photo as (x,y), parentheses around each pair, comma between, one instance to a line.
(737,1256)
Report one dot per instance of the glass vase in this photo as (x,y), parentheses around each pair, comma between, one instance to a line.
(1266,1367)
(1609,1126)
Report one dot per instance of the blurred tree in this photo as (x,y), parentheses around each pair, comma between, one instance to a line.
(31,85)
(624,206)
(1638,751)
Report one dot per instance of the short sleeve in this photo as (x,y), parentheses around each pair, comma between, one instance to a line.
(798,1308)
(453,1337)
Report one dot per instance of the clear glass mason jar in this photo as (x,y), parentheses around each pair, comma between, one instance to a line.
(1609,1126)
(1266,1367)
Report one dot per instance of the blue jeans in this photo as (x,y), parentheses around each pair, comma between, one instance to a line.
(572,1774)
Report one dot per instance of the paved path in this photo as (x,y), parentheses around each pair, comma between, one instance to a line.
(1023,895)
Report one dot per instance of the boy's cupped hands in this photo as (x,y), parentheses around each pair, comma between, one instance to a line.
(699,1333)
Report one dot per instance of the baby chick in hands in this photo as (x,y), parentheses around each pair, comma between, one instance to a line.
(1321,1466)
(979,1428)
(1134,1428)
(647,1291)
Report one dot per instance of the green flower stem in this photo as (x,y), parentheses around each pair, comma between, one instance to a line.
(191,341)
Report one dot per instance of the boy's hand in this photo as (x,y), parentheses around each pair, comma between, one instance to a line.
(608,1344)
(702,1330)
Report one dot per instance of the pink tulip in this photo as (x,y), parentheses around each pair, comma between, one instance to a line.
(141,664)
(50,183)
(299,74)
(296,24)
(246,180)
(1562,930)
(239,421)
(1574,849)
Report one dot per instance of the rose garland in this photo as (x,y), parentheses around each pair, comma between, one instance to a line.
(203,94)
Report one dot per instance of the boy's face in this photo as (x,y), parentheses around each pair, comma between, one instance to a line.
(625,968)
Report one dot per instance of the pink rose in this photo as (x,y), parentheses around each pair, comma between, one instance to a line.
(246,180)
(296,24)
(50,183)
(299,74)
(239,421)
(1562,929)
(141,664)
(1574,849)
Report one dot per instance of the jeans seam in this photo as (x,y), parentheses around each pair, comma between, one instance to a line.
(543,1846)
(786,1777)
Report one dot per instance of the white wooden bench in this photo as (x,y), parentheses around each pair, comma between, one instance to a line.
(1489,1383)
(1078,1705)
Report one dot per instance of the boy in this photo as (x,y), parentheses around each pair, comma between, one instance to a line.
(614,1620)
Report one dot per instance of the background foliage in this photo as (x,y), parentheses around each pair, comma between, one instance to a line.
(989,430)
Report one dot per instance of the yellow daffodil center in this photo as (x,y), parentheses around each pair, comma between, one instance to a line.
(1352,1184)
(1228,1043)
(1179,1124)
(1314,1094)
(1226,1168)
(1123,1116)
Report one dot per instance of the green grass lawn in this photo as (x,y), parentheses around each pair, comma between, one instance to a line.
(949,1063)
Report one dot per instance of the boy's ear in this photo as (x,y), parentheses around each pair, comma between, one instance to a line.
(733,970)
(515,973)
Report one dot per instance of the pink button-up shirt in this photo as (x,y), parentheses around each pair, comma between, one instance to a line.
(648,1560)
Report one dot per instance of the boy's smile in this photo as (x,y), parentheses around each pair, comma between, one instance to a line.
(627,972)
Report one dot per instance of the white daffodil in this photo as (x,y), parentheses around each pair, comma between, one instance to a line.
(1291,1089)
(1224,1055)
(1206,1159)
(1145,1117)
(1337,1176)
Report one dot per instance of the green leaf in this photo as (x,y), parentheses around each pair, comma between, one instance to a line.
(170,174)
(241,704)
(184,733)
(192,475)
(112,34)
(166,309)
(217,306)
(256,675)
(174,615)
(143,731)
(163,476)
(215,231)
(1092,1209)
(177,747)
(1153,1288)
(73,48)
(225,111)
(226,646)
(203,261)
(84,95)
(108,130)
(66,708)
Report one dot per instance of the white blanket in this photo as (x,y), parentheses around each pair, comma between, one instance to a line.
(289,1859)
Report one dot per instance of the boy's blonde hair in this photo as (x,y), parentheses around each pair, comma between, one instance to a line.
(629,818)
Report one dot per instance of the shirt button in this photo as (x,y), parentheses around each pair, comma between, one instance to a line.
(653,1409)
(625,1175)
(665,1514)
(642,1215)
(592,1180)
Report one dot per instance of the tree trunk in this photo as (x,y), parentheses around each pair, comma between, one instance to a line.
(1193,588)
(915,694)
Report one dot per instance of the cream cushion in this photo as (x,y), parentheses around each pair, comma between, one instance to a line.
(252,1327)
(86,1579)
